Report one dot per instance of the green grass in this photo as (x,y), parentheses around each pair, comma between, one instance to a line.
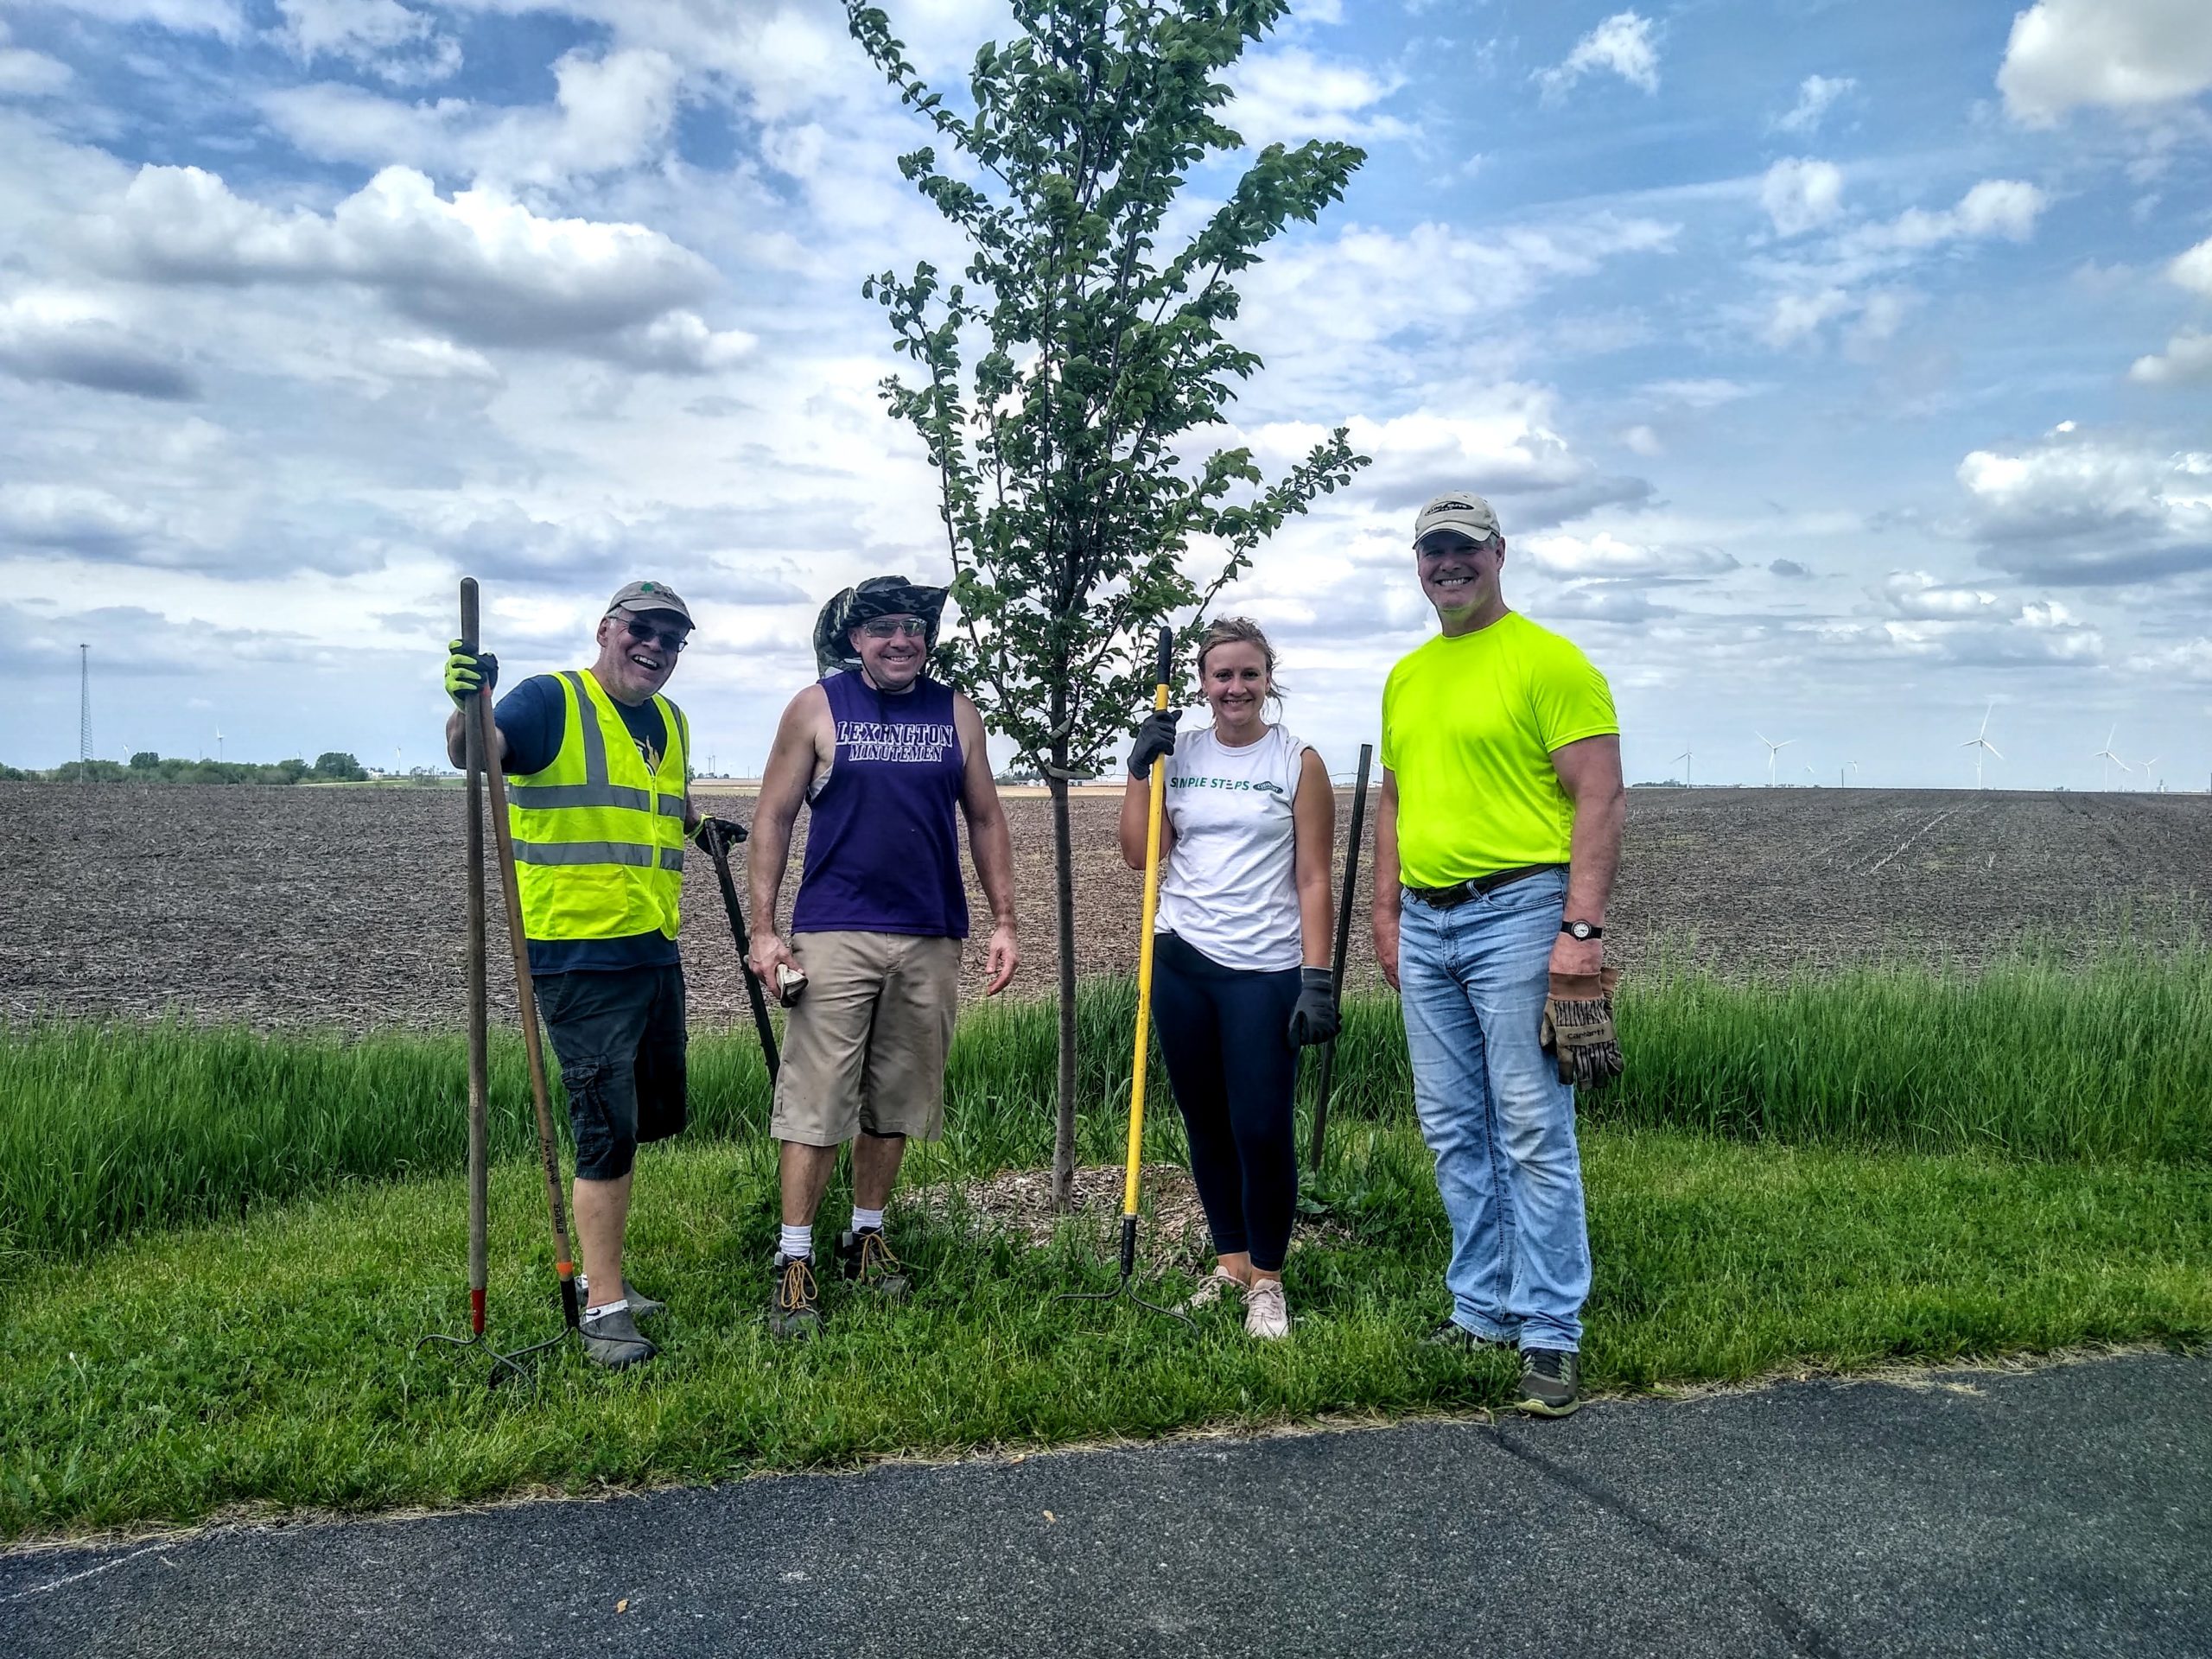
(106,1130)
(267,1362)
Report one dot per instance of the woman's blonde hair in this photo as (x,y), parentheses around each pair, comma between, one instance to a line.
(1238,631)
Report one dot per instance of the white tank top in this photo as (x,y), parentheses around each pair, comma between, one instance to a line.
(1230,889)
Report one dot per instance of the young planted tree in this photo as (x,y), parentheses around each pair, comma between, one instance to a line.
(1062,381)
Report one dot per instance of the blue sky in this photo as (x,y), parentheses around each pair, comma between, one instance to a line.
(1838,370)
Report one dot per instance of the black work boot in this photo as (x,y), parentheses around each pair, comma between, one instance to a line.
(795,1305)
(1551,1382)
(866,1260)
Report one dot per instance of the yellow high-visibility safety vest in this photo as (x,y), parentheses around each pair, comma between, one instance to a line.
(599,839)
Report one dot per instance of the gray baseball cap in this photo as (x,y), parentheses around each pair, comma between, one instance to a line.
(1463,511)
(638,597)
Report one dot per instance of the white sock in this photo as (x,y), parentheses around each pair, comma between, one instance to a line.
(799,1243)
(864,1219)
(602,1310)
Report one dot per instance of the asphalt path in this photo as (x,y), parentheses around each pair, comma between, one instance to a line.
(2063,1511)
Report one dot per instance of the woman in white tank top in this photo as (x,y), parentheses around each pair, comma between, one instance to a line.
(1240,977)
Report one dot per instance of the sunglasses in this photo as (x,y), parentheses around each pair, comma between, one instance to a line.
(888,627)
(667,639)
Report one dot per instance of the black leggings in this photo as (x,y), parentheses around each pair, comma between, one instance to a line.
(1223,1032)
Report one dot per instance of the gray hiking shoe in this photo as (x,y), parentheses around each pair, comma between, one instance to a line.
(642,1307)
(795,1305)
(1551,1382)
(1453,1335)
(612,1339)
(866,1260)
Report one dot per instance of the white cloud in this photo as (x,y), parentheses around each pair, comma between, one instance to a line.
(2188,359)
(1701,394)
(1640,440)
(1816,95)
(77,517)
(1918,594)
(609,113)
(391,40)
(1604,554)
(1797,316)
(222,18)
(480,265)
(2126,54)
(428,358)
(61,338)
(1621,45)
(1292,95)
(2081,507)
(2193,269)
(1994,207)
(1801,195)
(25,74)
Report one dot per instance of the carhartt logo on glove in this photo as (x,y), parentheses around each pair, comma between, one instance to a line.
(1577,1029)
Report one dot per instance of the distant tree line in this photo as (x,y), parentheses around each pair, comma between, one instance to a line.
(332,766)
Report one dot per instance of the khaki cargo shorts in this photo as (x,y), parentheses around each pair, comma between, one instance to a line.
(864,1045)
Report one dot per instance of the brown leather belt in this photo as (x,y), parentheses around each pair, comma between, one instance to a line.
(1459,892)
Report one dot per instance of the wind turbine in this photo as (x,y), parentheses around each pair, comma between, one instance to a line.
(2147,764)
(218,746)
(1979,741)
(1815,776)
(1772,750)
(1839,782)
(2104,773)
(1684,757)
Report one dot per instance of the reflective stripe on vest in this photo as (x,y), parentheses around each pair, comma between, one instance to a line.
(598,840)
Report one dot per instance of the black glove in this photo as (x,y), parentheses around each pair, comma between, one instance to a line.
(1314,1019)
(731,832)
(469,672)
(1154,738)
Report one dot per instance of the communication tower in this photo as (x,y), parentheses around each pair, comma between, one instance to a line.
(84,701)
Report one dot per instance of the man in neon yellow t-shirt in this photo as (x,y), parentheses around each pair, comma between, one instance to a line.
(1496,843)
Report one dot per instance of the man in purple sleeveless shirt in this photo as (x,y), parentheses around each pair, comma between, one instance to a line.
(885,756)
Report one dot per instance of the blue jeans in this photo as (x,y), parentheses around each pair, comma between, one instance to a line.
(1494,1112)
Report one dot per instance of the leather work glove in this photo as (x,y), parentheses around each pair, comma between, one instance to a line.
(1577,1029)
(731,832)
(469,672)
(1314,1019)
(1154,738)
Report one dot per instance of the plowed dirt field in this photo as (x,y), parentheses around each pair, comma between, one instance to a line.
(344,907)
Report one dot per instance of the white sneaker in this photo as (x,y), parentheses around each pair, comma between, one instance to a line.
(1211,1288)
(1267,1312)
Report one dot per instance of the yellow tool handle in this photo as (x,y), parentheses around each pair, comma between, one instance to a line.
(1154,813)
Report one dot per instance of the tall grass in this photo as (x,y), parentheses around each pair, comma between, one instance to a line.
(109,1129)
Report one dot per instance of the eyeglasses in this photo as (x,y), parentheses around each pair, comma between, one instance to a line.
(888,627)
(666,640)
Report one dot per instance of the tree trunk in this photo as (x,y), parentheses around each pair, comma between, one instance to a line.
(1064,908)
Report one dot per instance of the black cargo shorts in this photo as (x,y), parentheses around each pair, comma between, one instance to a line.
(619,1034)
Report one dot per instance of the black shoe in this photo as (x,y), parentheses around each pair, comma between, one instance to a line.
(614,1340)
(795,1305)
(1453,1335)
(1551,1382)
(865,1259)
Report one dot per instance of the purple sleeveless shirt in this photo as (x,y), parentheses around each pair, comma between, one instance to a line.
(882,847)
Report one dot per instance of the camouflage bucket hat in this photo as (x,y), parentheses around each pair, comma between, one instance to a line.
(877,596)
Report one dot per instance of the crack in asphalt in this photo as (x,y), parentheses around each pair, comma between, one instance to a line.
(1793,1627)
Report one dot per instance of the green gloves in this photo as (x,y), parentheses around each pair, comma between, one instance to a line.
(1577,1028)
(469,672)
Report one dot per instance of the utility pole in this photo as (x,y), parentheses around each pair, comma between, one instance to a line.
(84,701)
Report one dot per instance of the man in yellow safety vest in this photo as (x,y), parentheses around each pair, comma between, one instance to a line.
(598,762)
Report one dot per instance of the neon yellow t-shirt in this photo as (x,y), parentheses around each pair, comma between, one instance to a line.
(1469,725)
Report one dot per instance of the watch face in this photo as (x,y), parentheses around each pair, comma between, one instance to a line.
(1580,930)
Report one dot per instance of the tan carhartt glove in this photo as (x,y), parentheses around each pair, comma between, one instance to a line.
(1577,1030)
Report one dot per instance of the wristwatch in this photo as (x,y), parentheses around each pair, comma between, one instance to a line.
(1582,931)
